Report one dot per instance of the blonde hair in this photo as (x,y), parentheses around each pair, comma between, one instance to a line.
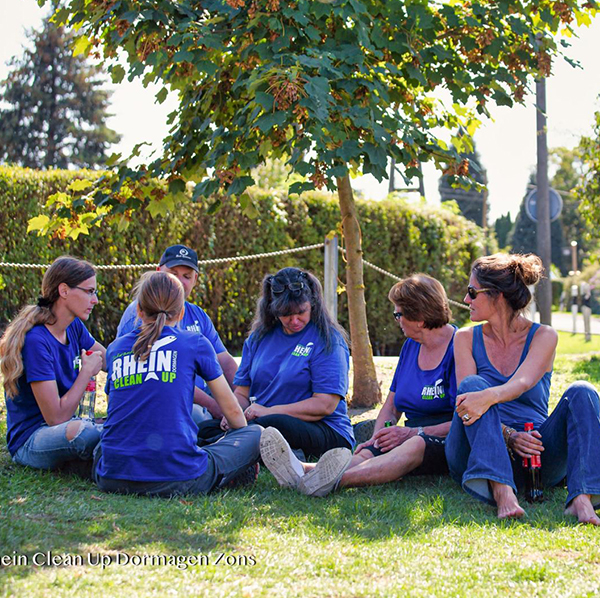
(160,297)
(64,269)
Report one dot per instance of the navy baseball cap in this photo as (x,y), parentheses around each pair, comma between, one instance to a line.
(179,255)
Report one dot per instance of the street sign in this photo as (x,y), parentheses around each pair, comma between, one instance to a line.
(556,205)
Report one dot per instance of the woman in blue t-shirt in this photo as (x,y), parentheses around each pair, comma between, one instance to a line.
(294,370)
(503,369)
(423,389)
(149,441)
(46,369)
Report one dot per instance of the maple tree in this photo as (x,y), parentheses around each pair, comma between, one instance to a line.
(333,87)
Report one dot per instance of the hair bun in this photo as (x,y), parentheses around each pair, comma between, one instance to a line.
(528,268)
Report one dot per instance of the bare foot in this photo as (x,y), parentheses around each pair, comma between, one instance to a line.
(581,507)
(508,507)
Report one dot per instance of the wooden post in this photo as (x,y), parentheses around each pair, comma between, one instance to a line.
(544,291)
(331,275)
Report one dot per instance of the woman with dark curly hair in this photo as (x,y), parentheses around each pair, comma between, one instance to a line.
(294,370)
(503,369)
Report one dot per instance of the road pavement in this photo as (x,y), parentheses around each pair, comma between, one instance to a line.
(564,322)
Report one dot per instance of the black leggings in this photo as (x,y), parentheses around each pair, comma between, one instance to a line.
(314,438)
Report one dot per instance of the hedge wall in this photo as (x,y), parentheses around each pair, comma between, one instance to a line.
(399,237)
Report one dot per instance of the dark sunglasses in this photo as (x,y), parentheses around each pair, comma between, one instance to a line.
(472,292)
(397,315)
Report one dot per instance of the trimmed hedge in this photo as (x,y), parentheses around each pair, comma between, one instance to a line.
(399,237)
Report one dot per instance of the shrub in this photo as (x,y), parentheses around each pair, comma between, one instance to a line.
(399,237)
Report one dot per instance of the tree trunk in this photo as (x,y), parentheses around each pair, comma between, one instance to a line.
(366,388)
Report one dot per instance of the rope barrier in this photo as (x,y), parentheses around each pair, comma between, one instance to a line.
(384,272)
(208,261)
(214,261)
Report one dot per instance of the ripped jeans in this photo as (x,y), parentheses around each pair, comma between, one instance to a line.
(49,448)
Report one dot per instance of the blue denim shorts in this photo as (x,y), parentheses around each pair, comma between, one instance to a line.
(49,448)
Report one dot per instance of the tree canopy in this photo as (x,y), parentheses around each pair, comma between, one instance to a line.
(331,86)
(56,109)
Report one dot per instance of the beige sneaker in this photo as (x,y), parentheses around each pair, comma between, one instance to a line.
(278,457)
(326,475)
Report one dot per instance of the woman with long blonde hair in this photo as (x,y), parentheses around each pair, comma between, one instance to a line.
(47,359)
(149,442)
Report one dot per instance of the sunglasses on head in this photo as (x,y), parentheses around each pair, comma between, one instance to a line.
(397,315)
(472,291)
(277,287)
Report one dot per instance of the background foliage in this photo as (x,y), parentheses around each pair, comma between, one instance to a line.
(54,108)
(398,237)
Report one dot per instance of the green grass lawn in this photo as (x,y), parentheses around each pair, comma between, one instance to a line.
(418,537)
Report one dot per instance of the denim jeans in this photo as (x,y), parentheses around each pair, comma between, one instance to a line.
(200,414)
(227,458)
(571,437)
(49,448)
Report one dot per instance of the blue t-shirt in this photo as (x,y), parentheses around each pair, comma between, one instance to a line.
(422,393)
(44,359)
(194,319)
(532,406)
(283,369)
(149,434)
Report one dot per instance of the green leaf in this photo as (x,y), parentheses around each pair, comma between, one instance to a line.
(113,159)
(267,122)
(79,185)
(81,45)
(183,56)
(300,186)
(176,186)
(162,95)
(117,72)
(38,223)
(265,100)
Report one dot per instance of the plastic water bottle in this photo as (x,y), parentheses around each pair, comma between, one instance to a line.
(533,475)
(87,404)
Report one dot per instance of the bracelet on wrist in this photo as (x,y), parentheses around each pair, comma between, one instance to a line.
(506,434)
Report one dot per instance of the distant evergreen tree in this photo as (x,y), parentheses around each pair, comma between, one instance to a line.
(54,111)
(470,202)
(503,227)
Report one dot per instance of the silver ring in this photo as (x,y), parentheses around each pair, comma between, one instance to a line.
(466,417)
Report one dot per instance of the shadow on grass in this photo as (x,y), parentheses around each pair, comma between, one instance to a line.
(66,515)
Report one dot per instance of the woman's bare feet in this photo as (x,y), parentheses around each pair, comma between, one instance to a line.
(581,507)
(508,506)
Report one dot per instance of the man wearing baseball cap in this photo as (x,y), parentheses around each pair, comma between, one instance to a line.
(182,262)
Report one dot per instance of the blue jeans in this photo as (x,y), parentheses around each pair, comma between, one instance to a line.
(49,448)
(200,414)
(571,436)
(227,458)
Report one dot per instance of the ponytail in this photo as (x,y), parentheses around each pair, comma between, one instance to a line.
(160,297)
(12,343)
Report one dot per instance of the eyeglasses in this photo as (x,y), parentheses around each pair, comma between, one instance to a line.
(88,291)
(397,315)
(472,292)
